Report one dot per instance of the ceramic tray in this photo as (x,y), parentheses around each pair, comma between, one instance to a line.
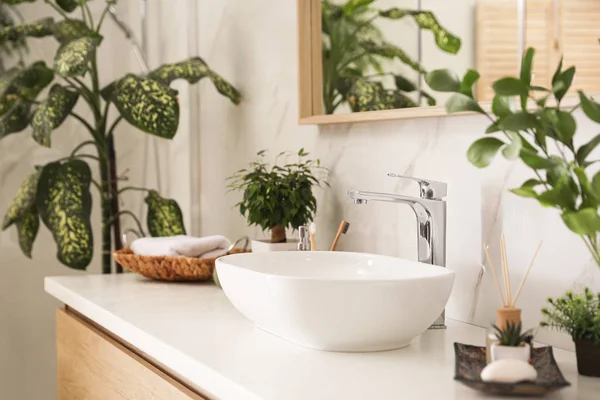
(470,361)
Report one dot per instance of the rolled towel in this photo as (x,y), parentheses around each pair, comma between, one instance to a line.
(181,246)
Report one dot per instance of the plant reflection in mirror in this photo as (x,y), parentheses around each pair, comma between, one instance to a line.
(355,53)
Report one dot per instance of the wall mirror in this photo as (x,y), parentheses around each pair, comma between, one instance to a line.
(365,60)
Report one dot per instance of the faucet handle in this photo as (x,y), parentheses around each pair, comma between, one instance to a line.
(432,190)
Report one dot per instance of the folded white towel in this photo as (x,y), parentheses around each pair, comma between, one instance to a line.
(181,246)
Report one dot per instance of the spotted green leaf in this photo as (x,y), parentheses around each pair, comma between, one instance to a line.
(147,104)
(71,29)
(366,95)
(23,201)
(164,216)
(426,20)
(73,58)
(389,50)
(16,119)
(68,5)
(27,229)
(39,28)
(52,112)
(192,70)
(65,204)
(25,83)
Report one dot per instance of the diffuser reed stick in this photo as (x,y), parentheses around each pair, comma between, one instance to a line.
(495,274)
(527,272)
(509,301)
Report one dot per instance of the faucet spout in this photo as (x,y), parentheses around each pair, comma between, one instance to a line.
(431,222)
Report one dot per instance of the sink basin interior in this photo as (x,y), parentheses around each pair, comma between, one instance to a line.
(336,266)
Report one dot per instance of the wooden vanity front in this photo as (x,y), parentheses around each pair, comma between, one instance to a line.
(94,365)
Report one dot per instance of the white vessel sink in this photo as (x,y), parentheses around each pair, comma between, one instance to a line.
(336,301)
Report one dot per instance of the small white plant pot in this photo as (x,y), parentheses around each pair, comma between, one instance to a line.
(500,352)
(265,246)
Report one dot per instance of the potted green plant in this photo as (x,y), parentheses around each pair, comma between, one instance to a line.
(530,123)
(58,193)
(277,197)
(512,342)
(579,316)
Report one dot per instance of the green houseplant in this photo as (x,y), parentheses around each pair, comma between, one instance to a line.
(579,316)
(530,123)
(276,197)
(513,342)
(355,50)
(59,192)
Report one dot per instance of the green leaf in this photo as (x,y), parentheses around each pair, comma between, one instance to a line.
(566,127)
(590,199)
(23,84)
(557,168)
(510,87)
(526,65)
(15,2)
(557,72)
(51,113)
(494,127)
(68,5)
(525,75)
(585,150)
(38,29)
(65,204)
(147,104)
(23,201)
(583,222)
(27,228)
(596,184)
(367,95)
(192,70)
(391,51)
(352,5)
(513,149)
(443,80)
(71,29)
(526,192)
(520,121)
(164,216)
(404,84)
(563,84)
(589,107)
(482,152)
(532,160)
(470,78)
(459,102)
(502,106)
(560,196)
(427,20)
(16,119)
(74,57)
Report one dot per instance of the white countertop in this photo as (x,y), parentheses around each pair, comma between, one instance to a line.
(193,331)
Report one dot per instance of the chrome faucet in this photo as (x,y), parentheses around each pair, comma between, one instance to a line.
(430,209)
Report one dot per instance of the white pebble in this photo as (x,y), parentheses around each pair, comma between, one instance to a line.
(508,371)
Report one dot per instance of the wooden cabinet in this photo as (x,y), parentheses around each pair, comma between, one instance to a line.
(95,366)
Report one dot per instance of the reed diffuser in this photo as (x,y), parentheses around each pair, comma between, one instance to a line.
(509,313)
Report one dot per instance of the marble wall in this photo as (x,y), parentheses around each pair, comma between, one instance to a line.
(254,44)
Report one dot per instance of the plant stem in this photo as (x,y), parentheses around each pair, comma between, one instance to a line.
(81,145)
(115,219)
(139,189)
(101,20)
(58,9)
(114,192)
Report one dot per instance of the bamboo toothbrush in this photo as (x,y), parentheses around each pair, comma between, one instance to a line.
(344,225)
(313,236)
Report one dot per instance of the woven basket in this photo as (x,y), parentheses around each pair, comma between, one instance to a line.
(174,269)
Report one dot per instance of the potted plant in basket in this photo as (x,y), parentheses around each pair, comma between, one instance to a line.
(579,316)
(276,197)
(512,343)
(530,123)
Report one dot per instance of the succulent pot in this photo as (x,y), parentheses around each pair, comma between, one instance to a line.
(588,357)
(500,352)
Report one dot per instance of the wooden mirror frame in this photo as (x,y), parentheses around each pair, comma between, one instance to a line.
(310,78)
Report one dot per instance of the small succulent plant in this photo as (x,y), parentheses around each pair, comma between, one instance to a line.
(511,335)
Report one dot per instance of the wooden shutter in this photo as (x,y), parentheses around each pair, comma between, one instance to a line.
(496,43)
(579,30)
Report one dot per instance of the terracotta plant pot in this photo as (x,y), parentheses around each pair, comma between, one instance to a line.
(588,357)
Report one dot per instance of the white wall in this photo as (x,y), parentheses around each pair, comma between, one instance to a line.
(254,44)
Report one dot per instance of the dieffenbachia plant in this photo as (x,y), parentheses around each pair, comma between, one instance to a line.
(58,193)
(539,131)
(354,50)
